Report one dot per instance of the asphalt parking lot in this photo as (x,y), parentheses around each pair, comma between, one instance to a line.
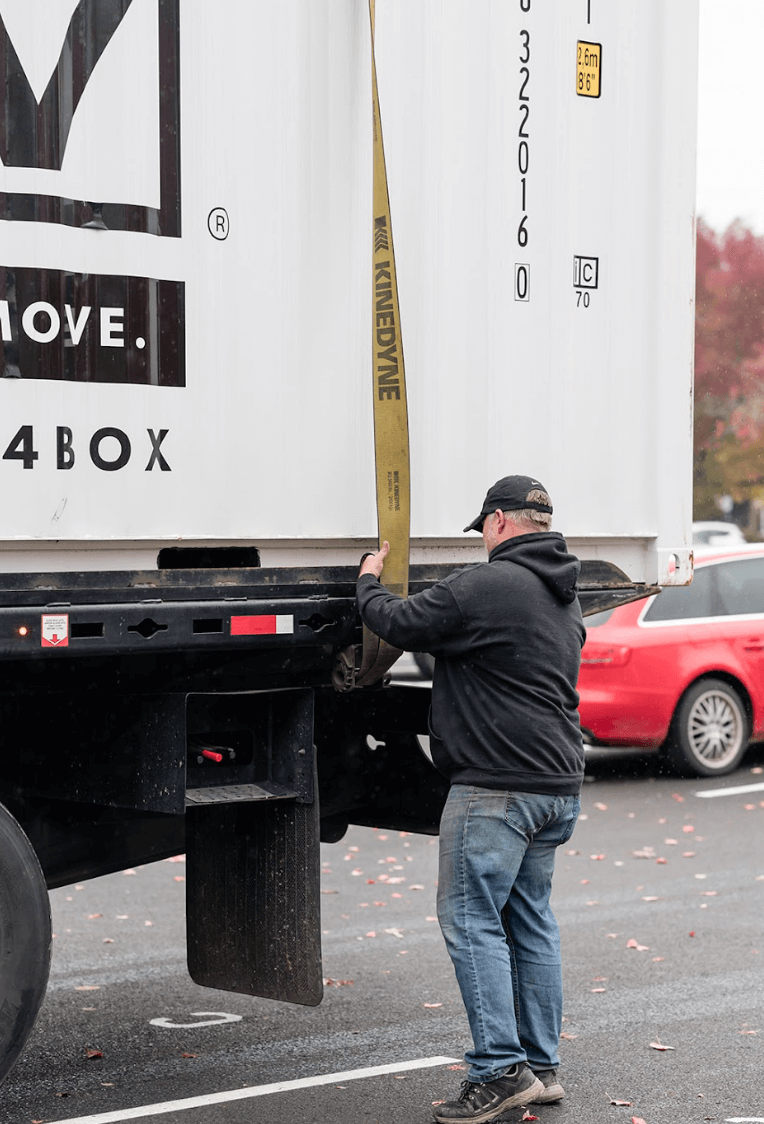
(660,898)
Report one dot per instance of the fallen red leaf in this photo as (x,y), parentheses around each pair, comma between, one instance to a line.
(625,1104)
(189,1055)
(93,1053)
(677,797)
(660,1046)
(637,1120)
(528,1116)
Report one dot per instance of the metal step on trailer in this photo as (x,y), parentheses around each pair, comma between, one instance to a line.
(237,794)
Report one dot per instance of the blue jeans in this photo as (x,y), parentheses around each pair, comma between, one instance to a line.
(497,852)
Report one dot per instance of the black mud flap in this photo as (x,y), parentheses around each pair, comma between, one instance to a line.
(253,898)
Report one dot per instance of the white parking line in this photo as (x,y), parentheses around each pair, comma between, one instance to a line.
(737,791)
(255,1091)
(744,1120)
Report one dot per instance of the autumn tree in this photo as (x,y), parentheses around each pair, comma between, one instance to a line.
(729,368)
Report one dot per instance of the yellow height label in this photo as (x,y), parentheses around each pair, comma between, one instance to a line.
(391,431)
(588,69)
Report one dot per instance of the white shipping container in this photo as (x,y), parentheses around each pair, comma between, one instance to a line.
(541,163)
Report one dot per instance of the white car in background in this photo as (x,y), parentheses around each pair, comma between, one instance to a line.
(717,534)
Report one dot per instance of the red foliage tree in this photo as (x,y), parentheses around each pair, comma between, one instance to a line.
(729,365)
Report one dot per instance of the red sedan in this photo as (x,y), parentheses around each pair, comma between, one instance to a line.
(682,672)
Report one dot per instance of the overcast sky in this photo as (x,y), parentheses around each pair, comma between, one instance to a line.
(731,113)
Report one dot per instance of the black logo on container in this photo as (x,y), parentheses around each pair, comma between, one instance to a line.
(69,326)
(85,327)
(35,135)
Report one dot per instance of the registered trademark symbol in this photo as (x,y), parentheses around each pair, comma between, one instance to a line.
(217,223)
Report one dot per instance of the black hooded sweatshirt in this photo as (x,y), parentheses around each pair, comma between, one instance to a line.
(507,638)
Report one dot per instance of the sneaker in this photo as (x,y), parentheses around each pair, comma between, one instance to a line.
(553,1090)
(486,1101)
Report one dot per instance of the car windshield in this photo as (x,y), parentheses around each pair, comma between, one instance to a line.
(596,619)
(734,588)
(683,602)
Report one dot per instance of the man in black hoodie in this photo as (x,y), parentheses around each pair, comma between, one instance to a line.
(507,638)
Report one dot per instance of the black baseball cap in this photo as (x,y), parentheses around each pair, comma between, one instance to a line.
(508,494)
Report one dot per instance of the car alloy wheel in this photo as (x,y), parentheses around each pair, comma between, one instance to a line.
(710,730)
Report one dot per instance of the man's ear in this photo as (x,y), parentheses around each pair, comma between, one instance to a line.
(501,520)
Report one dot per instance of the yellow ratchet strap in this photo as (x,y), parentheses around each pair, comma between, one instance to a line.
(391,427)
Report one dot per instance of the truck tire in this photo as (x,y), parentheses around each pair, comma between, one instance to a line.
(709,731)
(25,939)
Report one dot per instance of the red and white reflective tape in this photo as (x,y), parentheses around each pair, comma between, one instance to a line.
(264,624)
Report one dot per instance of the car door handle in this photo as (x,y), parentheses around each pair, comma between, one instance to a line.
(754,645)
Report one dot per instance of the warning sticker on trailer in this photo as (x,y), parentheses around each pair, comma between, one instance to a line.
(588,69)
(54,631)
